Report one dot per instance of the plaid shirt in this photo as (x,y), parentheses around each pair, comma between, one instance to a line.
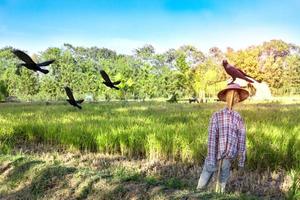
(226,125)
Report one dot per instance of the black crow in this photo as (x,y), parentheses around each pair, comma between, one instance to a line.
(71,99)
(194,99)
(235,72)
(107,81)
(30,64)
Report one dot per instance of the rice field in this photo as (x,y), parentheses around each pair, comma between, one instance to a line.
(154,131)
(176,132)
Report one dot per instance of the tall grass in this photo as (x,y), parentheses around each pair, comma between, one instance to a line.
(154,130)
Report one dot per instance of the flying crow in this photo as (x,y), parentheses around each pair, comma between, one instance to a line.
(71,99)
(30,64)
(107,80)
(235,72)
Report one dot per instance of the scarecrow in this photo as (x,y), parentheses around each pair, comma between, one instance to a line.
(226,139)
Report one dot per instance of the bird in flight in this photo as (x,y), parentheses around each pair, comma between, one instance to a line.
(107,80)
(30,64)
(235,72)
(71,99)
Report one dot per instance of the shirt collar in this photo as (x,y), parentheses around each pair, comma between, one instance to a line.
(227,110)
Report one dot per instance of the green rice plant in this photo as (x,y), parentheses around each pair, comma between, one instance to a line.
(294,191)
(153,130)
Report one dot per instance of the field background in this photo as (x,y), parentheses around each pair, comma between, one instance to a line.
(145,141)
(147,145)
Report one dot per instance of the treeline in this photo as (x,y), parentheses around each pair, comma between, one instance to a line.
(185,71)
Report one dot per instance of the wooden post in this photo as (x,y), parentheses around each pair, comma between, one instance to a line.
(229,99)
(218,187)
(230,102)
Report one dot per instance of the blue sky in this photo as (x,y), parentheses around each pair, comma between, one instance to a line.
(122,25)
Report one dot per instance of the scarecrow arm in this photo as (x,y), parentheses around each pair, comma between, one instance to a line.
(241,144)
(212,141)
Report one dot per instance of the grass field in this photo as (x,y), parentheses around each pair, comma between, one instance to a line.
(175,133)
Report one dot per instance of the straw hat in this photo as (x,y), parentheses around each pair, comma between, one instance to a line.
(244,94)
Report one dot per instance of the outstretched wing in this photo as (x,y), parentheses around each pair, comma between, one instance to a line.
(69,93)
(23,56)
(45,63)
(117,82)
(105,76)
(116,87)
(80,101)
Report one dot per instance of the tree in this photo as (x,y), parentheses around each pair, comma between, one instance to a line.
(183,75)
(192,55)
(292,75)
(185,71)
(208,78)
(216,54)
(248,61)
(145,52)
(3,90)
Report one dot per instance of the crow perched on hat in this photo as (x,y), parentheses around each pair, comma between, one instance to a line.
(235,72)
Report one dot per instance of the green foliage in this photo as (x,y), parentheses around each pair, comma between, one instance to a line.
(3,90)
(294,191)
(174,183)
(145,52)
(185,71)
(124,175)
(292,75)
(173,99)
